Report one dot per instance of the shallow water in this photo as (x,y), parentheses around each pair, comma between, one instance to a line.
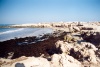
(11,33)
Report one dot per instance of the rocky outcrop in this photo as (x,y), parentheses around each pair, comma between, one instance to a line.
(77,55)
(57,51)
(76,29)
(33,62)
(57,60)
(86,28)
(93,37)
(63,60)
(82,52)
(69,38)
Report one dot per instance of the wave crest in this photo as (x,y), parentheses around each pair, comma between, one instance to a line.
(11,31)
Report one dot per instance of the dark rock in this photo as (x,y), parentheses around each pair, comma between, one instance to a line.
(31,49)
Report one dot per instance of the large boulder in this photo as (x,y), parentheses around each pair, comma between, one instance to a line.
(26,62)
(63,60)
(63,46)
(76,29)
(33,62)
(69,38)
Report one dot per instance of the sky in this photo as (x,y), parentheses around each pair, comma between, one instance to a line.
(36,11)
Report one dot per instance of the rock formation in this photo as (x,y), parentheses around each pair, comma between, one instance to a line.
(80,48)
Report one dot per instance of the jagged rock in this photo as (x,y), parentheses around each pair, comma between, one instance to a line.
(96,37)
(76,29)
(35,62)
(30,62)
(89,45)
(82,52)
(92,56)
(69,38)
(63,60)
(57,60)
(87,28)
(98,53)
(64,46)
(93,37)
(10,55)
(73,55)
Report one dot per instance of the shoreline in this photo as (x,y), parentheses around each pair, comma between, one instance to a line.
(22,43)
(72,45)
(23,32)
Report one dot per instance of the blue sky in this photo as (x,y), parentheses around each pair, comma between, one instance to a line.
(35,11)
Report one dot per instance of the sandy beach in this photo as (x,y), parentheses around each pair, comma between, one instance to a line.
(73,44)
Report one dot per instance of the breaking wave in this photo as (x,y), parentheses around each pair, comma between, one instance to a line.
(11,31)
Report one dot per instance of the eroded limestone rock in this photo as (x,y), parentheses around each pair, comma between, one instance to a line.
(63,60)
(82,52)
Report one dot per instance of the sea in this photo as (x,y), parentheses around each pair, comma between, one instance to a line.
(11,33)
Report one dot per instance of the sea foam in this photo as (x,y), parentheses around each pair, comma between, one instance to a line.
(11,31)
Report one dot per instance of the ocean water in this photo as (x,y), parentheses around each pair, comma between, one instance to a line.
(11,33)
